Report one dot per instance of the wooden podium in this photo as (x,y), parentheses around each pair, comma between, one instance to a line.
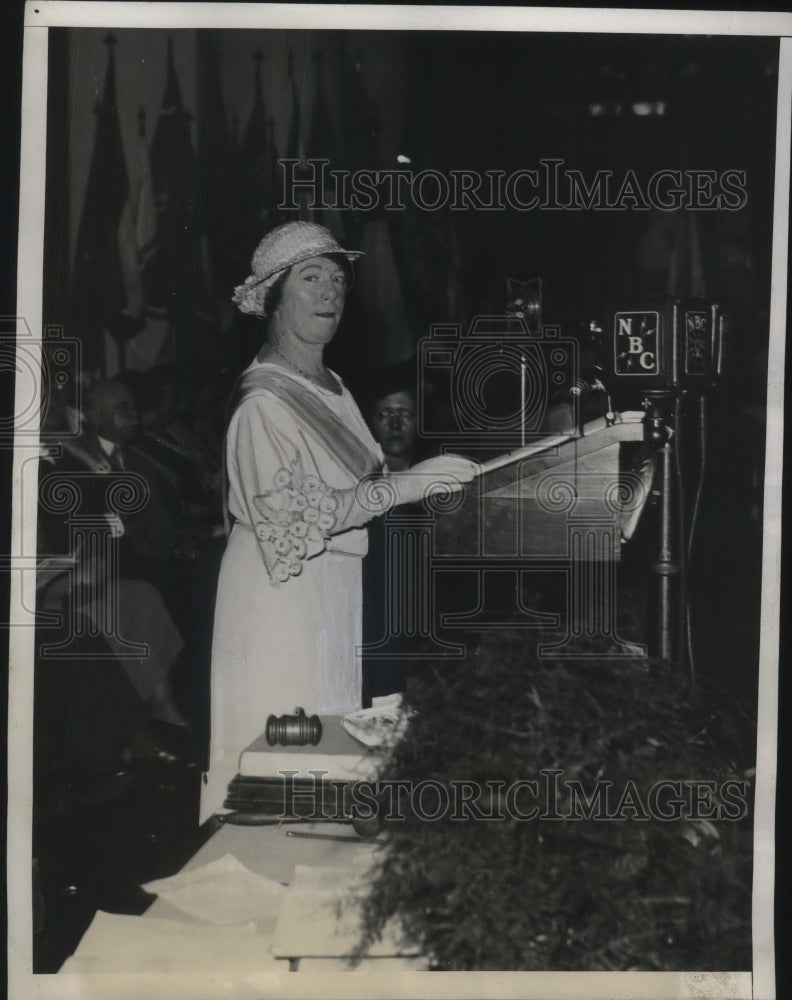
(569,499)
(523,504)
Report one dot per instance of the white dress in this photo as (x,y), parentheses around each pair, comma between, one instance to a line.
(288,617)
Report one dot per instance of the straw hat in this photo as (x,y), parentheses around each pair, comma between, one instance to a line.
(283,247)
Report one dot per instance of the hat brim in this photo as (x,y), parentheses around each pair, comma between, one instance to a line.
(351,256)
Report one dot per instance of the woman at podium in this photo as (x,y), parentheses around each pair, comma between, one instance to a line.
(303,477)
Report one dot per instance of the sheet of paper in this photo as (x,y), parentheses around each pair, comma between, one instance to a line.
(120,943)
(320,917)
(222,892)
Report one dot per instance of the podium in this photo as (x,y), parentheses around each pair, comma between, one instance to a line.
(569,499)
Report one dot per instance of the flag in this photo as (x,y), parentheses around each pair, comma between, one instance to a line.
(137,228)
(295,151)
(149,347)
(145,209)
(360,138)
(255,179)
(219,179)
(377,301)
(99,292)
(294,145)
(275,214)
(174,275)
(322,144)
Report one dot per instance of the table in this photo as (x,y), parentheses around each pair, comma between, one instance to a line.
(299,926)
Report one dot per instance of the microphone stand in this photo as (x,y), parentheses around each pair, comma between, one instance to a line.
(661,432)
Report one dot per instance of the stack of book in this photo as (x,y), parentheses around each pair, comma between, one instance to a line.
(302,782)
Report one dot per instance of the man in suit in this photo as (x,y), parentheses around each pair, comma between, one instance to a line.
(120,576)
(112,425)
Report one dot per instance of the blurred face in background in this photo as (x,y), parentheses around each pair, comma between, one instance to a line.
(394,425)
(114,413)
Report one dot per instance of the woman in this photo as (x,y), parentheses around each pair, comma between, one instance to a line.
(304,476)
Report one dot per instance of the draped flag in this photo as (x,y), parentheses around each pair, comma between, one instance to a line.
(219,178)
(128,243)
(275,215)
(360,141)
(378,300)
(295,151)
(149,347)
(322,144)
(255,177)
(145,209)
(294,148)
(174,272)
(99,301)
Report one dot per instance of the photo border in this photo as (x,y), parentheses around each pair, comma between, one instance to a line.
(56,13)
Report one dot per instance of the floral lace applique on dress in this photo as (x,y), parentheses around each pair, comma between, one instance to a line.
(299,515)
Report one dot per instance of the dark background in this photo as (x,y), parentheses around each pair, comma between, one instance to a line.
(210,111)
(447,100)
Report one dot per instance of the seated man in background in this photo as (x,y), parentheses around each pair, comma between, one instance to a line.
(129,605)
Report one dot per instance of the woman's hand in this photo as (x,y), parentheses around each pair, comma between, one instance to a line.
(444,474)
(376,494)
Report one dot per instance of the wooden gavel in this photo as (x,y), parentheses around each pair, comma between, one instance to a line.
(294,730)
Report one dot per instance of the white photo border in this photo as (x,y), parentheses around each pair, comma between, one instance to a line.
(39,17)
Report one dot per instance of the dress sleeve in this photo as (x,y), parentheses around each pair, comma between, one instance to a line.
(291,509)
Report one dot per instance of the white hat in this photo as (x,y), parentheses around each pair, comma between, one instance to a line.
(283,247)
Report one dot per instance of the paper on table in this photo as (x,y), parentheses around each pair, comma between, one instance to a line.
(222,892)
(556,440)
(121,943)
(379,725)
(320,916)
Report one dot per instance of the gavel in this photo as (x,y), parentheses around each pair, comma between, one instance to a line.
(294,730)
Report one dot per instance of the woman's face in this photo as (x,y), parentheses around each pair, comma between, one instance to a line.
(312,301)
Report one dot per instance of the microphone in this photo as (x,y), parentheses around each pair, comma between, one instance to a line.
(587,384)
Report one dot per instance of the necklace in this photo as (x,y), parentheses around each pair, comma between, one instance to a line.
(316,379)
